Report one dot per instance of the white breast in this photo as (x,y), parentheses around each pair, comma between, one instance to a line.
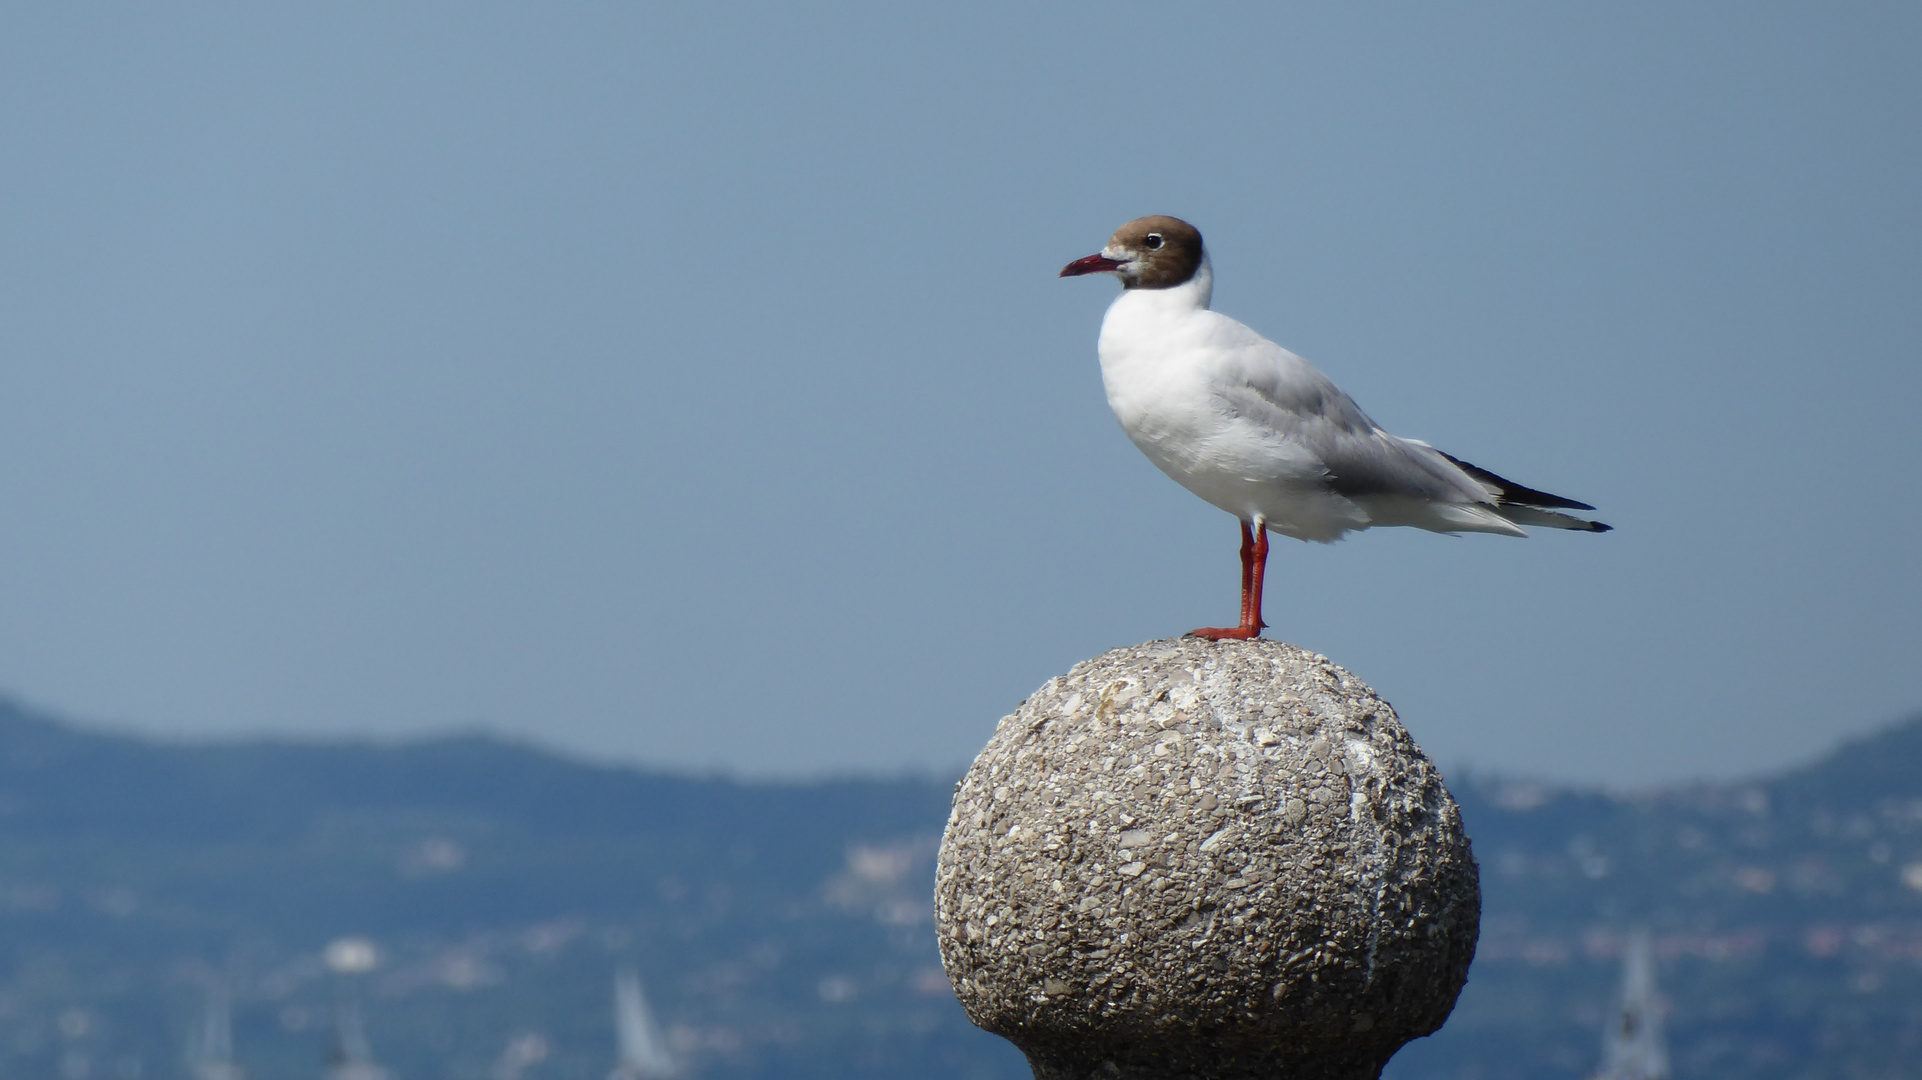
(1165,359)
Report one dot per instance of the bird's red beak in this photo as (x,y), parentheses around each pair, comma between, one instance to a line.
(1093,264)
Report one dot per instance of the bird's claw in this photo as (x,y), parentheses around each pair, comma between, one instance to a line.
(1226,633)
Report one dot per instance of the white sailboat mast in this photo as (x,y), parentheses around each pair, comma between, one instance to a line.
(643,1050)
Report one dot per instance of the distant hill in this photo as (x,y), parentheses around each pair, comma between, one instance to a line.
(1787,915)
(784,929)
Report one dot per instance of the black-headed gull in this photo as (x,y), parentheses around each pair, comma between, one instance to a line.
(1257,431)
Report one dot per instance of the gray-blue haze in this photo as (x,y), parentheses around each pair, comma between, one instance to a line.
(693,387)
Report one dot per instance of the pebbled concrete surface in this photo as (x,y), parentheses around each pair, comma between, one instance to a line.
(1208,861)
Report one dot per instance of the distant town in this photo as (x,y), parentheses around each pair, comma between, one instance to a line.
(463,908)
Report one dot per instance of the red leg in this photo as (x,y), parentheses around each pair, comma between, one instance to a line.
(1254,563)
(1253,619)
(1247,570)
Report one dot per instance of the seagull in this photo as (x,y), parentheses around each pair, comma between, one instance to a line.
(1259,432)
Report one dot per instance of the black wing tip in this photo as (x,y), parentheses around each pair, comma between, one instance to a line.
(1596,526)
(1514,494)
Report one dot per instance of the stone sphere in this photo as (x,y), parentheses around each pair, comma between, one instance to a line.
(1209,861)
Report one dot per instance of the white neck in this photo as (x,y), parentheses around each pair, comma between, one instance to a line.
(1139,322)
(1193,294)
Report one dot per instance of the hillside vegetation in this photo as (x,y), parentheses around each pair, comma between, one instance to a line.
(784,929)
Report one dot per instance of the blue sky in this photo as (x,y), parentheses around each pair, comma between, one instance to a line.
(694,388)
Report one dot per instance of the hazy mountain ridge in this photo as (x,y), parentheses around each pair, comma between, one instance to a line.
(1787,913)
(144,866)
(783,927)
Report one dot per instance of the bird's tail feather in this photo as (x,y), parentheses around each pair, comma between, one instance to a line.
(1527,506)
(1535,515)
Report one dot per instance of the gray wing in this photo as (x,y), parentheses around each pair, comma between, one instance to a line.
(1360,461)
(1396,481)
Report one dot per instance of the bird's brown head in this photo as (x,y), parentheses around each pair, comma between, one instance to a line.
(1156,252)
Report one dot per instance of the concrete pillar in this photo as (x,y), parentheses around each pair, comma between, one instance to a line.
(1197,861)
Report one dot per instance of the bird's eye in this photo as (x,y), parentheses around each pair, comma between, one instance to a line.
(1152,242)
